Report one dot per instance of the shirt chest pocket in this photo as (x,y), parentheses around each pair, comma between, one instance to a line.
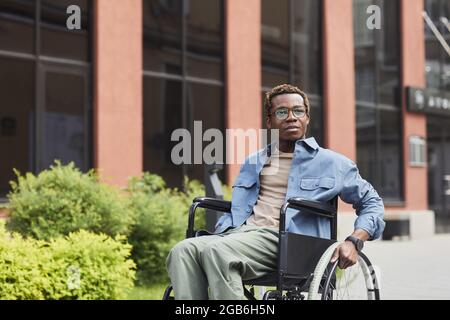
(317,183)
(244,193)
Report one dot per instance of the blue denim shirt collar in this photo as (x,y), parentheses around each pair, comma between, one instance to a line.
(265,153)
(310,142)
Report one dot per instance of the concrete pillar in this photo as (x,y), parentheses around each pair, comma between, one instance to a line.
(243,68)
(421,220)
(413,74)
(339,81)
(339,77)
(117,60)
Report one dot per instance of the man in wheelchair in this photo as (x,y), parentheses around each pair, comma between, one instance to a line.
(245,243)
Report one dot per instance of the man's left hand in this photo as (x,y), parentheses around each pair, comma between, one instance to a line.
(346,253)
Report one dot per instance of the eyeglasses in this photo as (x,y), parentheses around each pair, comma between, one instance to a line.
(283,112)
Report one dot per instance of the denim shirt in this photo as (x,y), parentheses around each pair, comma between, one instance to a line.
(316,174)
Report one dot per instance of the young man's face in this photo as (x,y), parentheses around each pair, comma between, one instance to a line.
(291,128)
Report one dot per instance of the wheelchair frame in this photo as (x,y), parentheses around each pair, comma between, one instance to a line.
(293,275)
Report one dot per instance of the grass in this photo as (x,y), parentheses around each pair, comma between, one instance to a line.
(154,292)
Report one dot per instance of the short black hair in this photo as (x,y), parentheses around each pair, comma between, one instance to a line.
(284,89)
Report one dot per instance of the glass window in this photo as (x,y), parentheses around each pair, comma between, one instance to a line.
(390,161)
(306,42)
(378,101)
(64,118)
(204,39)
(275,45)
(183,80)
(17,115)
(162,35)
(377,54)
(162,115)
(56,39)
(291,44)
(205,105)
(388,55)
(45,111)
(366,141)
(437,60)
(17,25)
(315,128)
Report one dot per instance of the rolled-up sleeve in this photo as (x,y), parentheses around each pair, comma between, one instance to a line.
(365,200)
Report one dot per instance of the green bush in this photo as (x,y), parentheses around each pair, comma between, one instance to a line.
(161,222)
(80,266)
(193,189)
(63,200)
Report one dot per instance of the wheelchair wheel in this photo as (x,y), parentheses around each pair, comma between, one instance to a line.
(358,282)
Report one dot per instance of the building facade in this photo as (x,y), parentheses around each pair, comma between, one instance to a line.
(110,94)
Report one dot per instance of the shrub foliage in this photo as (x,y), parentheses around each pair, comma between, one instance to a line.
(63,200)
(81,265)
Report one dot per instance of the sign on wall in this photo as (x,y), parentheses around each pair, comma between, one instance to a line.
(417,151)
(428,101)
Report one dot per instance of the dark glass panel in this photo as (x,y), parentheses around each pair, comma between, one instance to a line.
(316,122)
(390,155)
(364,41)
(433,68)
(275,33)
(205,103)
(17,119)
(204,33)
(438,165)
(17,25)
(307,49)
(388,54)
(292,52)
(162,115)
(377,91)
(162,36)
(64,119)
(366,145)
(56,39)
(446,74)
(437,60)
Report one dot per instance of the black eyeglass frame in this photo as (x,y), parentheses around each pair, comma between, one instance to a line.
(303,110)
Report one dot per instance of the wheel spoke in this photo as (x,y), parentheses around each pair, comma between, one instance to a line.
(349,283)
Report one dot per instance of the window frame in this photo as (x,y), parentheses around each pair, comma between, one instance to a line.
(43,63)
(430,39)
(377,106)
(186,80)
(291,73)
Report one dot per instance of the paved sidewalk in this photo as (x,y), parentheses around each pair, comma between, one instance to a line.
(413,270)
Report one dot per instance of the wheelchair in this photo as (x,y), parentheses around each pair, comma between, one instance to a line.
(304,270)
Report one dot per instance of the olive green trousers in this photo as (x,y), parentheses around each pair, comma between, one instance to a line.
(214,266)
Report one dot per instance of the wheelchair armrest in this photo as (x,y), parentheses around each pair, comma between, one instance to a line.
(213,204)
(316,207)
(207,203)
(310,206)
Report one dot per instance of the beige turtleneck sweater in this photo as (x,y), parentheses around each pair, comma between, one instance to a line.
(274,180)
